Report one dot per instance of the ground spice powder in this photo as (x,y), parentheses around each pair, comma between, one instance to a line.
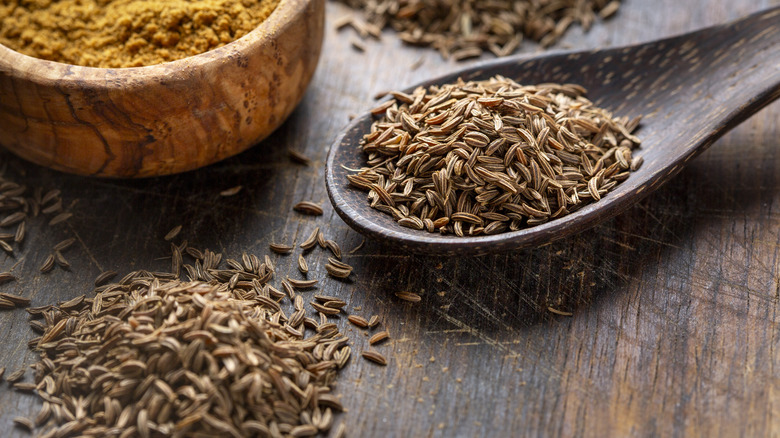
(125,33)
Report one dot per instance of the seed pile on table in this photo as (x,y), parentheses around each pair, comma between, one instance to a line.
(487,157)
(465,28)
(154,355)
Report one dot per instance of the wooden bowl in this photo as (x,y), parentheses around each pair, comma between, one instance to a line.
(166,118)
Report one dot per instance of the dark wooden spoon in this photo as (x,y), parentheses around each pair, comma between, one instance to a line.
(689,89)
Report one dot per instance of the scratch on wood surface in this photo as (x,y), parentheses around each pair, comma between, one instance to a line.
(85,247)
(476,343)
(477,333)
(447,331)
(649,239)
(660,222)
(619,243)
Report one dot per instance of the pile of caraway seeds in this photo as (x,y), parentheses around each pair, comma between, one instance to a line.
(461,29)
(220,352)
(492,156)
(209,347)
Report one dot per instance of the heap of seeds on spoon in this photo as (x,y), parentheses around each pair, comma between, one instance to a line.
(486,157)
(465,28)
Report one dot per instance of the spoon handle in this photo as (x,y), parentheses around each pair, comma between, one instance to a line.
(714,78)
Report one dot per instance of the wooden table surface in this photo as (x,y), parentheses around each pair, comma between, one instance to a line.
(675,302)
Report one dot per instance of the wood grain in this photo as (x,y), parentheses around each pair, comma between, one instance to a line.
(675,301)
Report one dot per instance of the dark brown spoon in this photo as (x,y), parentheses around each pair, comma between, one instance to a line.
(690,90)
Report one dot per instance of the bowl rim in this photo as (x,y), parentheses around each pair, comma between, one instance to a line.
(42,70)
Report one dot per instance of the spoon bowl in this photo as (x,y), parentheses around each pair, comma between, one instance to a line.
(689,91)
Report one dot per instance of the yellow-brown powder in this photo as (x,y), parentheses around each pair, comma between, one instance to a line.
(125,33)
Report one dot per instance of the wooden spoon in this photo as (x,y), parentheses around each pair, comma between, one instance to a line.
(690,90)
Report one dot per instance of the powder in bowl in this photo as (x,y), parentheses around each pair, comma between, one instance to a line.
(126,33)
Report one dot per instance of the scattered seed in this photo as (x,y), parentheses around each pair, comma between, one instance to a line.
(330,401)
(378,337)
(417,64)
(559,312)
(343,21)
(334,248)
(73,302)
(288,289)
(13,218)
(302,284)
(269,264)
(337,272)
(341,431)
(310,208)
(298,157)
(173,233)
(25,386)
(302,265)
(20,232)
(324,309)
(409,296)
(16,375)
(6,277)
(358,45)
(65,244)
(231,191)
(375,357)
(338,263)
(280,248)
(373,321)
(194,253)
(324,298)
(61,260)
(48,264)
(104,278)
(51,195)
(25,423)
(311,241)
(62,217)
(16,299)
(54,208)
(358,321)
(636,163)
(335,303)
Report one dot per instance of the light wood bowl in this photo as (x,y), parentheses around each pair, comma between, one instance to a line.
(166,118)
